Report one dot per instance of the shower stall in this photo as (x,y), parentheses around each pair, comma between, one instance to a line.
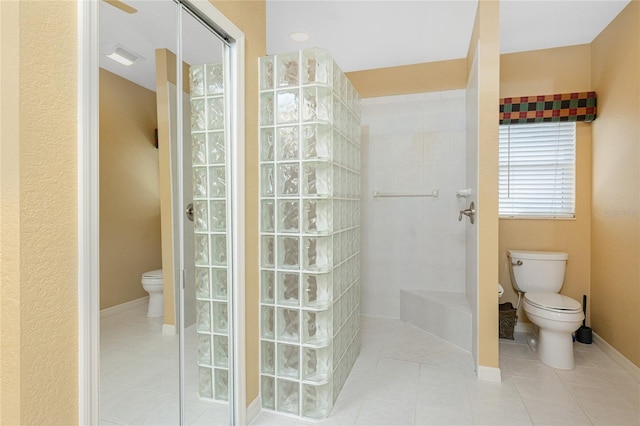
(309,231)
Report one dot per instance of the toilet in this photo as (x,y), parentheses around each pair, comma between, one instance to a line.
(152,284)
(539,275)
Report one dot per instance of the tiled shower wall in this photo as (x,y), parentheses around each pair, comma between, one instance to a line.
(310,231)
(412,144)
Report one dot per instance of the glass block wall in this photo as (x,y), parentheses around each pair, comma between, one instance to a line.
(310,231)
(210,225)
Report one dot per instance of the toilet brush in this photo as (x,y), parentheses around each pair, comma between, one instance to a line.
(583,334)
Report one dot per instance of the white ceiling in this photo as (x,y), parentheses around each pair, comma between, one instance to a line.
(362,34)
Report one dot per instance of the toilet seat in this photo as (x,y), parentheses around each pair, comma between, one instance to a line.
(152,277)
(553,302)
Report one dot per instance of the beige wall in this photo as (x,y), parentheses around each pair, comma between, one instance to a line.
(39,287)
(545,72)
(418,78)
(487,30)
(250,17)
(129,189)
(615,226)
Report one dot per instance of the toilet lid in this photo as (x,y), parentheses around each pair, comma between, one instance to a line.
(156,273)
(553,301)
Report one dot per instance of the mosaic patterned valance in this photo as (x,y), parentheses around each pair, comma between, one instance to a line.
(548,108)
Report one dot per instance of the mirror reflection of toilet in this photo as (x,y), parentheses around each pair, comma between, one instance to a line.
(540,275)
(152,284)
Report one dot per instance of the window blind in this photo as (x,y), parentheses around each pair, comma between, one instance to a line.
(537,170)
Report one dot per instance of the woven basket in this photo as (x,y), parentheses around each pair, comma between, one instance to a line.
(506,320)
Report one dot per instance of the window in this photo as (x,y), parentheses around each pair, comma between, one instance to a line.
(537,170)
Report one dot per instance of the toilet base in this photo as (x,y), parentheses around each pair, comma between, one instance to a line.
(555,349)
(156,305)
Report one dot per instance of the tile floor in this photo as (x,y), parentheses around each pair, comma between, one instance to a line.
(404,376)
(139,374)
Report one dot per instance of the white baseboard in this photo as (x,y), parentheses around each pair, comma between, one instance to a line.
(489,374)
(168,329)
(253,409)
(617,357)
(107,312)
(523,327)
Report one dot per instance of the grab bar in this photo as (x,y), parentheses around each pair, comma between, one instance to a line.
(377,194)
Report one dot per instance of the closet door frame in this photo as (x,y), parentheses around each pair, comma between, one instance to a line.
(88,209)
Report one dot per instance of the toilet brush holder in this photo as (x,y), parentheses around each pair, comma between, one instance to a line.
(584,333)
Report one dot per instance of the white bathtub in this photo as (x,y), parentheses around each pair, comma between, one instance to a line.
(445,314)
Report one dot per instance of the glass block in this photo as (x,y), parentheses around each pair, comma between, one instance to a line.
(205,386)
(199,148)
(317,327)
(287,106)
(288,396)
(266,73)
(337,247)
(199,182)
(288,289)
(196,80)
(200,212)
(267,251)
(267,115)
(317,216)
(288,325)
(217,185)
(220,317)
(288,143)
(267,180)
(288,252)
(267,322)
(317,66)
(221,351)
(198,115)
(287,70)
(289,361)
(317,104)
(215,79)
(289,215)
(202,283)
(203,316)
(221,383)
(268,356)
(268,215)
(288,179)
(317,290)
(215,113)
(317,364)
(267,144)
(218,250)
(316,253)
(317,400)
(201,249)
(267,291)
(317,179)
(217,216)
(204,349)
(268,392)
(317,141)
(219,283)
(216,147)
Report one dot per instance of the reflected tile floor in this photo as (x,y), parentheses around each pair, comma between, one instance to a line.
(405,376)
(139,374)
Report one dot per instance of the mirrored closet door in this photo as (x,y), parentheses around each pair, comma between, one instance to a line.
(169,360)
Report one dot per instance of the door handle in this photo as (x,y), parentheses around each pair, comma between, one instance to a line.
(189,211)
(470,213)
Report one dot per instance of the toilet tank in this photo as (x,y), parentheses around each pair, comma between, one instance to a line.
(537,271)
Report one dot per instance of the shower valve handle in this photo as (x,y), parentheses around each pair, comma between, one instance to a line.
(470,212)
